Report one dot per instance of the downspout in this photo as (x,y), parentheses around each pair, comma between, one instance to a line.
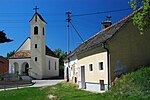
(108,62)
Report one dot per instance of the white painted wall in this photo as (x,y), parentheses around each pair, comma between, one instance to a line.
(25,45)
(95,75)
(38,69)
(73,62)
(51,72)
(38,52)
(92,78)
(20,64)
(94,87)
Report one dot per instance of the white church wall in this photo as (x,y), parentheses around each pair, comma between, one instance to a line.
(36,71)
(25,45)
(52,67)
(39,52)
(39,62)
(19,63)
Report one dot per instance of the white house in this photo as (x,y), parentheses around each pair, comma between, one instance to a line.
(70,68)
(117,49)
(33,57)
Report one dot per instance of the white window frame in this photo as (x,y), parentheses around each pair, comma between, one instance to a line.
(92,67)
(99,66)
(103,66)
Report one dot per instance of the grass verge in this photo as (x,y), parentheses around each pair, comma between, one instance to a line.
(133,86)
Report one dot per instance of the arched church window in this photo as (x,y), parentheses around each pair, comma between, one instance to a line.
(43,30)
(35,58)
(55,66)
(49,65)
(35,45)
(35,30)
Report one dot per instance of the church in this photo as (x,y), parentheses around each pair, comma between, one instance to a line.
(33,57)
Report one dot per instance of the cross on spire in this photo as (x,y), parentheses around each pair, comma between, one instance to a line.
(36,8)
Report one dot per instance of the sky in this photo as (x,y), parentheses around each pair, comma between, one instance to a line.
(15,16)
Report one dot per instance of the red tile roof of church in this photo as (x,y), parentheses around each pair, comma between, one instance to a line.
(21,54)
(26,54)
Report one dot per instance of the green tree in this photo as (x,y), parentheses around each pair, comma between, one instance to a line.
(141,18)
(3,38)
(10,54)
(61,55)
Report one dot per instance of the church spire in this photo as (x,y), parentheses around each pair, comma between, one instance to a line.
(37,15)
(36,8)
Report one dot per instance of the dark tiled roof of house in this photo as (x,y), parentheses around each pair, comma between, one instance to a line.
(49,52)
(21,54)
(39,17)
(103,35)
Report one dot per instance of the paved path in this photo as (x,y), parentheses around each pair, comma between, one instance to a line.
(39,83)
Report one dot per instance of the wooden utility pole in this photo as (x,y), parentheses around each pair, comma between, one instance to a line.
(68,20)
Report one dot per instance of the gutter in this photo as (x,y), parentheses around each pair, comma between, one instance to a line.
(108,62)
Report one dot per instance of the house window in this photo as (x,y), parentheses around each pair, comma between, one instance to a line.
(49,65)
(90,67)
(100,65)
(102,85)
(35,45)
(43,30)
(35,30)
(55,66)
(35,58)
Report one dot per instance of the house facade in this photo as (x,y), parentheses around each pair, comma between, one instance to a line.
(33,57)
(4,65)
(70,68)
(116,50)
(93,70)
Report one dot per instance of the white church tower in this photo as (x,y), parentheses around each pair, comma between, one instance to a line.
(37,35)
(34,58)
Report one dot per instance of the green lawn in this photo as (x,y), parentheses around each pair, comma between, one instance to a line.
(63,91)
(133,86)
(23,94)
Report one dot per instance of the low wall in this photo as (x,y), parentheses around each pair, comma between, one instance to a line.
(93,87)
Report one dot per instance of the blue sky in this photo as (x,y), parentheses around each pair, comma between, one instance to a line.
(15,16)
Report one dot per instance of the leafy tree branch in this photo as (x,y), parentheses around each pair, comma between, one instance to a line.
(141,18)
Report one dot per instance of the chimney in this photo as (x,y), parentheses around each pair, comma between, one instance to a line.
(106,23)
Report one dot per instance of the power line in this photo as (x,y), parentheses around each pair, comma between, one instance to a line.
(86,23)
(77,32)
(29,14)
(87,14)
